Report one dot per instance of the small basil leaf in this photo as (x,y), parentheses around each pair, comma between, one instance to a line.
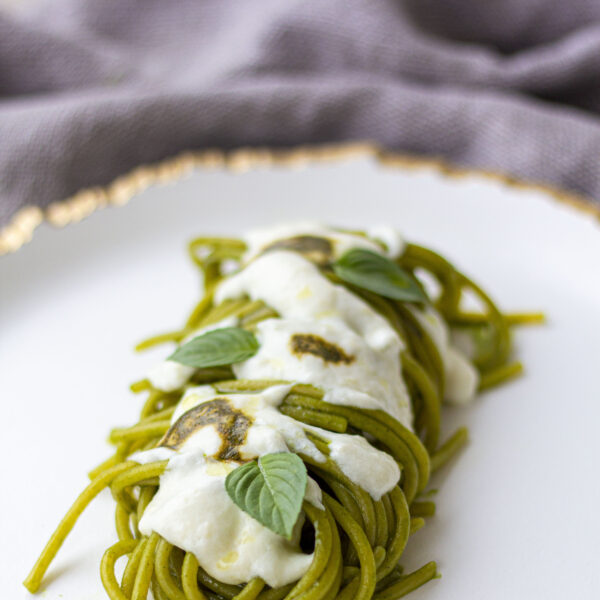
(376,273)
(218,347)
(270,490)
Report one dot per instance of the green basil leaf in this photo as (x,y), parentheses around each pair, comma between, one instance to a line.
(270,490)
(376,273)
(218,347)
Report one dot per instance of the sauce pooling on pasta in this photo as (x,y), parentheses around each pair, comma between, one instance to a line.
(323,335)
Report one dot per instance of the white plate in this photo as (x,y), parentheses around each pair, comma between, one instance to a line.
(518,512)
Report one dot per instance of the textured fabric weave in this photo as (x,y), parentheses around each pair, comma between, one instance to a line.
(89,89)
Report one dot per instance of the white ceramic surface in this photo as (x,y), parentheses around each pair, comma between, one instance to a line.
(518,511)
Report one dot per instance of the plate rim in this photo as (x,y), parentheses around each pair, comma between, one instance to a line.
(121,190)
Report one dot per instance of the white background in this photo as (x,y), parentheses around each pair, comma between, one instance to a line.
(518,511)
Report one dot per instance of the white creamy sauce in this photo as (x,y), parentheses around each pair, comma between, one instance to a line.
(371,380)
(463,341)
(324,335)
(192,510)
(389,236)
(313,494)
(462,378)
(168,375)
(270,431)
(374,471)
(145,457)
(308,303)
(258,240)
(229,544)
(192,397)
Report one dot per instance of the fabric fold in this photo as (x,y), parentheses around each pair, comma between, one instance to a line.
(90,90)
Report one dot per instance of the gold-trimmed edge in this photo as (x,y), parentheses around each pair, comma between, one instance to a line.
(75,208)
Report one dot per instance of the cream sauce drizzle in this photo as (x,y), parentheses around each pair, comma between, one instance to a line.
(229,544)
(461,377)
(307,302)
(360,368)
(258,240)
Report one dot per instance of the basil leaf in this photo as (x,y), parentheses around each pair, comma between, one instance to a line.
(270,490)
(376,273)
(217,347)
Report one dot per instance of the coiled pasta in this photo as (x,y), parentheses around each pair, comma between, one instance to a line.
(357,541)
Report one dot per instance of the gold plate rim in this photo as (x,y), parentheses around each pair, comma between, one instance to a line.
(118,193)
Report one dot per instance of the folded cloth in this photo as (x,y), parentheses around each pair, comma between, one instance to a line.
(90,89)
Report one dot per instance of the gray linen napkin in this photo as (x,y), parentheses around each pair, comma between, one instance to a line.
(89,89)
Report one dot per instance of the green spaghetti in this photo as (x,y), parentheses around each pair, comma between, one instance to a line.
(356,539)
